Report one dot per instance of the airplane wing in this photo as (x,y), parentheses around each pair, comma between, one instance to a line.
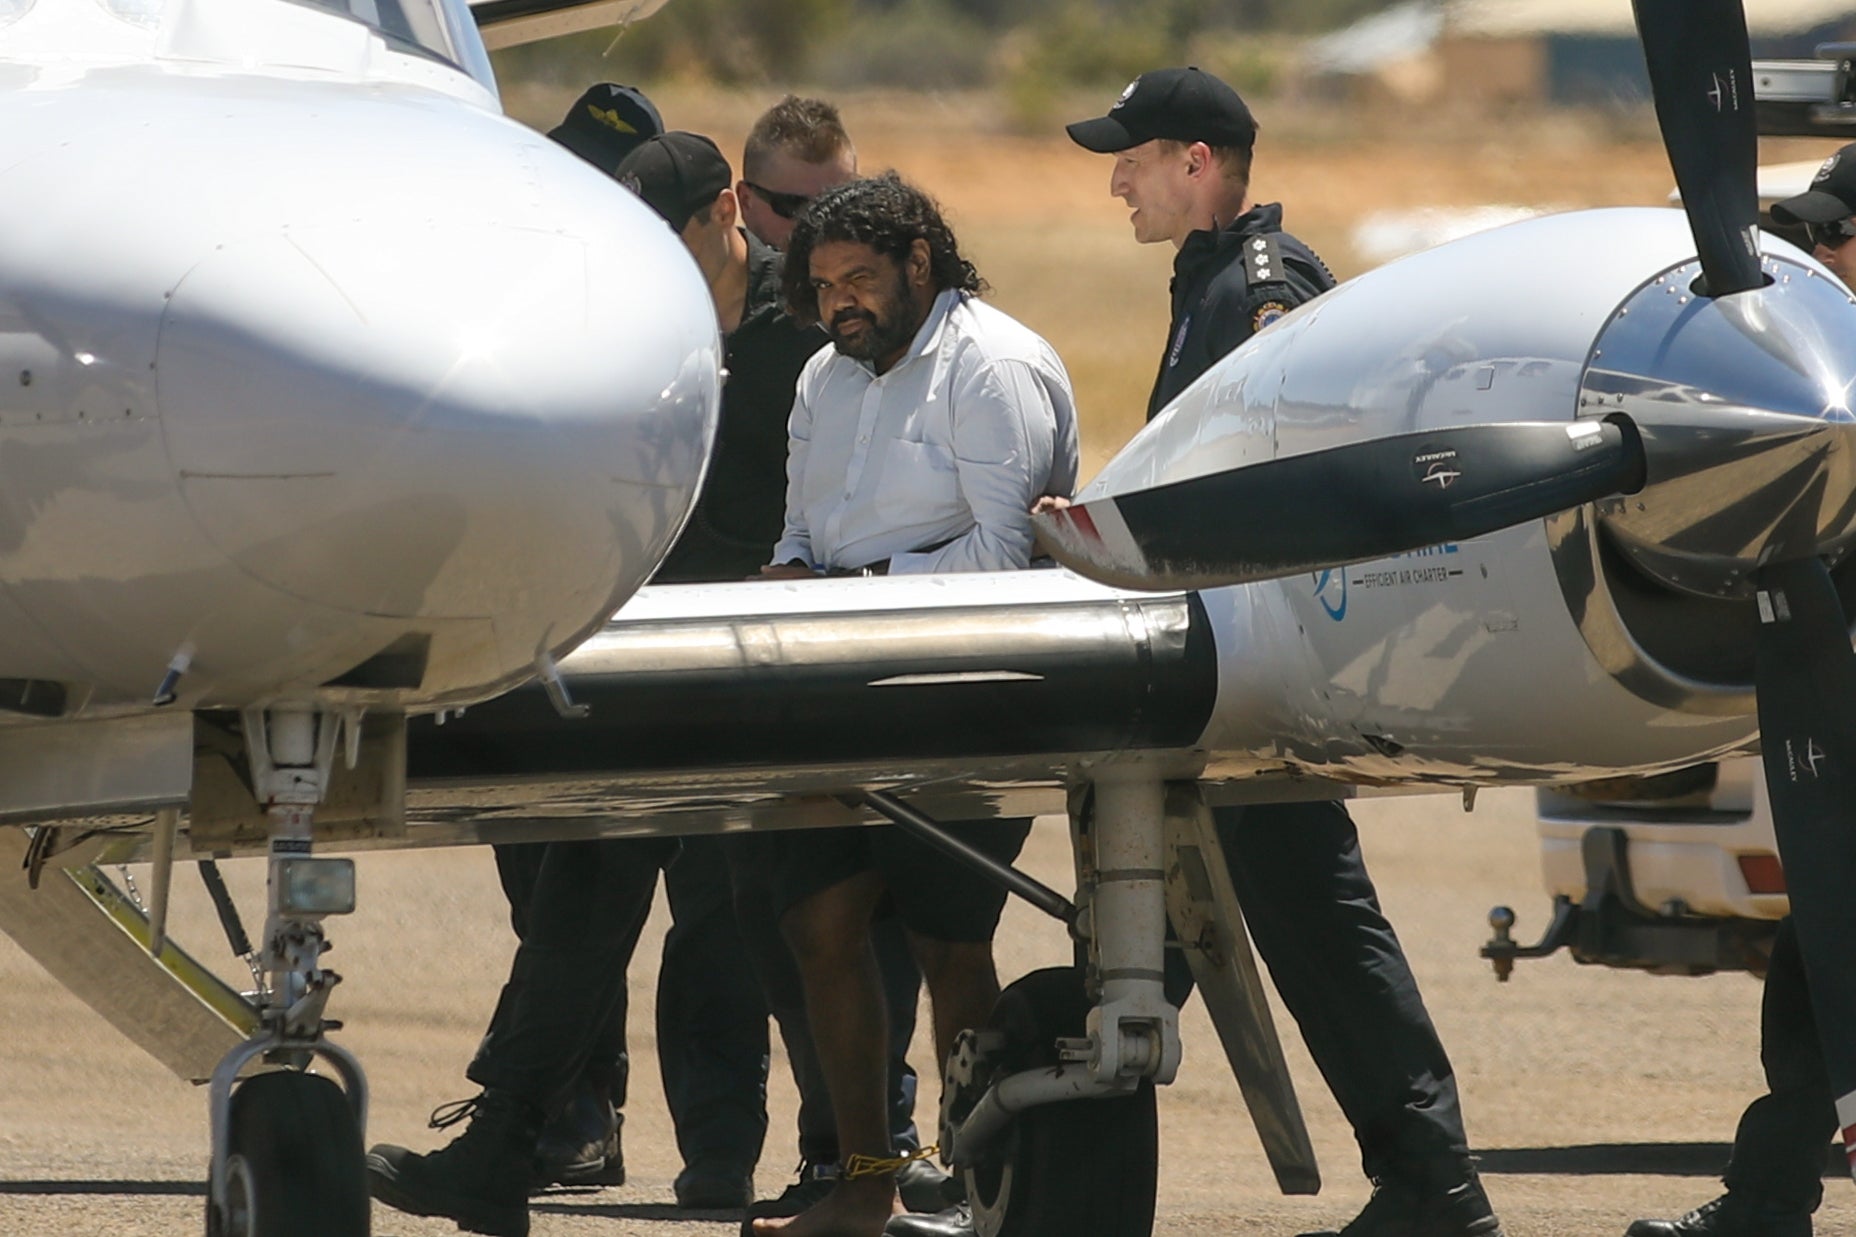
(511,23)
(744,705)
(728,707)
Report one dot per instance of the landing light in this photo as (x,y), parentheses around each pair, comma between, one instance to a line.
(315,886)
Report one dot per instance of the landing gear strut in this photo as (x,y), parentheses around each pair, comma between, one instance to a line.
(1048,1114)
(1079,1166)
(287,1145)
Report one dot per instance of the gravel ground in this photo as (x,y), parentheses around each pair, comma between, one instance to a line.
(1593,1097)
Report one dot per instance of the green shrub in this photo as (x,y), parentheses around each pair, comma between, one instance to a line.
(911,45)
(710,40)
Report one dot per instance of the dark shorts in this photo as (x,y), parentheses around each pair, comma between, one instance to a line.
(934,896)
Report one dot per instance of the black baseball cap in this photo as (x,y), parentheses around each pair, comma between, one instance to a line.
(677,174)
(1832,195)
(606,122)
(1180,105)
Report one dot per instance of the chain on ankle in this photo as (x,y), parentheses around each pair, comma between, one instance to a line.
(858,1166)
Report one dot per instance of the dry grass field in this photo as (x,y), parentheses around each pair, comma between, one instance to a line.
(1593,1096)
(1035,215)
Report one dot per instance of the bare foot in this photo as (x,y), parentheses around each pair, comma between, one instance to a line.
(853,1209)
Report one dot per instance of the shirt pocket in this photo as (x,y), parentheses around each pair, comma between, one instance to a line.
(907,459)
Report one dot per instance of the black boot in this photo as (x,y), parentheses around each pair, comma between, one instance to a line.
(1730,1215)
(956,1221)
(1440,1198)
(480,1180)
(580,1146)
(713,1185)
(923,1187)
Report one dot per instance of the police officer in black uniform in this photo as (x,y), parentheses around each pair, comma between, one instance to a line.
(580,916)
(1182,141)
(1774,1177)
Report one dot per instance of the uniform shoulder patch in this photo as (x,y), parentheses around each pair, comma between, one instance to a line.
(1263,260)
(1267,312)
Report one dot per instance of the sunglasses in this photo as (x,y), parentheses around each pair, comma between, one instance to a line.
(1831,235)
(785,205)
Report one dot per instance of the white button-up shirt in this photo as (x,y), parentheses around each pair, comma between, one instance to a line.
(948,449)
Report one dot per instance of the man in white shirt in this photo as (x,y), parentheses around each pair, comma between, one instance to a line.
(918,443)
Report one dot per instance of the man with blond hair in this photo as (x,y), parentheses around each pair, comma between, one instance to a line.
(795,151)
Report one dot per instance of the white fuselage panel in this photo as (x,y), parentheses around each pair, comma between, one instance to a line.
(294,366)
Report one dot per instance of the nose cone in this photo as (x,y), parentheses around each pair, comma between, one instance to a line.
(1744,403)
(446,420)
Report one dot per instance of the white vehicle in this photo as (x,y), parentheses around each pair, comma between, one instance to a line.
(370,403)
(1677,874)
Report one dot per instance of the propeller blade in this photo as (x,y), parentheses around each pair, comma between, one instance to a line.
(1701,77)
(1343,505)
(1805,672)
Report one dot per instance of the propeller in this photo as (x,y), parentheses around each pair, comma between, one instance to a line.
(1804,669)
(1806,676)
(1369,499)
(1701,77)
(1347,504)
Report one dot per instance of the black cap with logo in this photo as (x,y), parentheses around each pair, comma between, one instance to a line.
(1832,195)
(1180,105)
(677,174)
(606,122)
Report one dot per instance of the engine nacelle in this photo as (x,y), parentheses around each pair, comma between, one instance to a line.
(1744,408)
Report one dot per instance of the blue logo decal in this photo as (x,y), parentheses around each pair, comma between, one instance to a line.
(1327,583)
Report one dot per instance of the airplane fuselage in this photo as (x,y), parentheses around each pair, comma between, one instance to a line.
(317,370)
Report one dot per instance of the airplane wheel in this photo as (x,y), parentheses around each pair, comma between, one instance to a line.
(1084,1166)
(295,1165)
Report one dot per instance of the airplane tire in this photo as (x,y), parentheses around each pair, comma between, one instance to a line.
(295,1165)
(1083,1166)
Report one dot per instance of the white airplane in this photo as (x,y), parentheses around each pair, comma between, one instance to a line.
(330,394)
(1510,511)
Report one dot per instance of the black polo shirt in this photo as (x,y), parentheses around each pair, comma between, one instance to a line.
(742,510)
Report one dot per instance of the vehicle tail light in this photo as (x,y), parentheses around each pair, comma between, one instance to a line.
(1762,873)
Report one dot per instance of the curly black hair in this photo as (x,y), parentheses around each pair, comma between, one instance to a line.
(889,215)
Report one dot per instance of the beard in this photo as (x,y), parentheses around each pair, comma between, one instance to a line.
(872,334)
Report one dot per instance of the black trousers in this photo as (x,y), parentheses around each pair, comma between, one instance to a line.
(711,1016)
(578,909)
(1779,1147)
(1315,919)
